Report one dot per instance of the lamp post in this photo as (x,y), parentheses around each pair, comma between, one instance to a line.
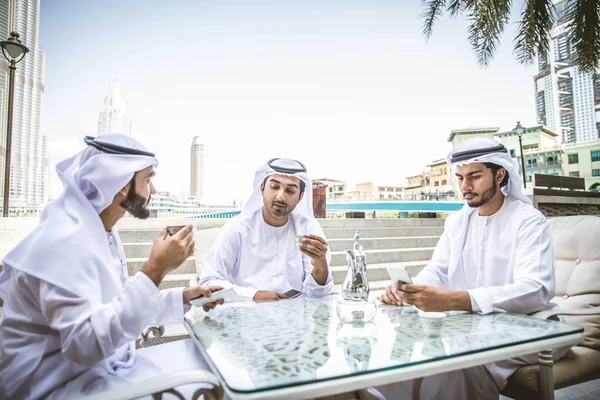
(13,51)
(519,131)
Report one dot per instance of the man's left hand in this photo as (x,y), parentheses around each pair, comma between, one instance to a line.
(315,247)
(197,291)
(434,298)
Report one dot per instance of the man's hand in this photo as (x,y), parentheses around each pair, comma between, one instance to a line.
(264,295)
(168,253)
(434,298)
(206,291)
(391,295)
(315,247)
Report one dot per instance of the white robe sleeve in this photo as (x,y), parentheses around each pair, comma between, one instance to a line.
(89,335)
(436,271)
(310,287)
(220,261)
(533,283)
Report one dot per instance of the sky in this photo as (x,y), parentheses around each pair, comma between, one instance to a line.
(350,88)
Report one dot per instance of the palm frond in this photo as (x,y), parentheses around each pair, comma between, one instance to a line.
(584,33)
(488,19)
(533,34)
(434,9)
(456,7)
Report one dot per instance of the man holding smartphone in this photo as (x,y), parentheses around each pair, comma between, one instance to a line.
(275,245)
(71,314)
(495,255)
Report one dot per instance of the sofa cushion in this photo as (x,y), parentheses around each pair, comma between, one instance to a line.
(580,364)
(577,252)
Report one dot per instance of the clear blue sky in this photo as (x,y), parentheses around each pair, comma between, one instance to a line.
(351,88)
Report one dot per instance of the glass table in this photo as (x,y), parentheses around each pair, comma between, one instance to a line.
(299,348)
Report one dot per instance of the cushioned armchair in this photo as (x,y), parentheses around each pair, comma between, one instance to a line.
(577,251)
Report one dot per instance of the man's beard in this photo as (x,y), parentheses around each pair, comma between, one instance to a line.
(135,204)
(485,197)
(279,212)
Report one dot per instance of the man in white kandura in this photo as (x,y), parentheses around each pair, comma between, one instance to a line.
(256,251)
(71,317)
(495,255)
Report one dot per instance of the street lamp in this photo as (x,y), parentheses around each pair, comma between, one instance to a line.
(13,51)
(519,131)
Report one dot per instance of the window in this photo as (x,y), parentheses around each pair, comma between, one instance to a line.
(512,153)
(574,173)
(573,158)
(596,155)
(528,178)
(596,172)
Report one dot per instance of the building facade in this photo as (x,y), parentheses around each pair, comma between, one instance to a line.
(197,169)
(567,99)
(29,155)
(113,117)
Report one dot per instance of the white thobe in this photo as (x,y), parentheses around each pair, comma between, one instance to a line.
(251,255)
(55,345)
(507,266)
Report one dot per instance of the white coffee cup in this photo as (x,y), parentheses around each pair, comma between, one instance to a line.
(432,322)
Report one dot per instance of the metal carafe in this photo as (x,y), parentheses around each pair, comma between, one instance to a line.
(356,285)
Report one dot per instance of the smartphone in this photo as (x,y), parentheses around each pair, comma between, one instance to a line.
(399,274)
(293,293)
(171,230)
(221,294)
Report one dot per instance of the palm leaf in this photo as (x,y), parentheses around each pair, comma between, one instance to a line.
(488,19)
(534,30)
(584,33)
(434,9)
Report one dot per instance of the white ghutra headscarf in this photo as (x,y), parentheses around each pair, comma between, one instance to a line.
(478,150)
(69,248)
(484,150)
(287,167)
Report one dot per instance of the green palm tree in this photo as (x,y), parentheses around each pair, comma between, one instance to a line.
(488,18)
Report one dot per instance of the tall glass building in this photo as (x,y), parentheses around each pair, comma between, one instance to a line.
(29,155)
(197,169)
(567,99)
(113,117)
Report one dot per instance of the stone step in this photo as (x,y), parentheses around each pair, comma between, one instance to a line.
(136,264)
(378,272)
(355,223)
(385,243)
(348,233)
(142,250)
(148,236)
(176,281)
(375,273)
(386,256)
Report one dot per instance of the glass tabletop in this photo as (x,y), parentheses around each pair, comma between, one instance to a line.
(261,346)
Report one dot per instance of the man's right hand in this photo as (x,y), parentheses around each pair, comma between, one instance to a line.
(264,295)
(391,295)
(168,253)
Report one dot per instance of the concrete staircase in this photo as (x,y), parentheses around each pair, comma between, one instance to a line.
(407,242)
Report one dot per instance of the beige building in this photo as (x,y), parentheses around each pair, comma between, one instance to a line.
(368,191)
(583,160)
(336,190)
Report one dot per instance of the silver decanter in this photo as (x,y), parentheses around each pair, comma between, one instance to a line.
(356,285)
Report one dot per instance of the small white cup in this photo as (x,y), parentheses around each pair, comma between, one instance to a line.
(299,238)
(432,322)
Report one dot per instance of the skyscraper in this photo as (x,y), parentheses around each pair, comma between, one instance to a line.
(29,155)
(567,99)
(113,117)
(197,169)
